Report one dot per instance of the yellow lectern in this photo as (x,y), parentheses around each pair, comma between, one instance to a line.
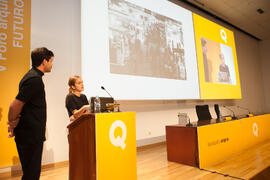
(103,146)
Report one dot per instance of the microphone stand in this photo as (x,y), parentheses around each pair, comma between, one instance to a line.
(249,113)
(233,117)
(106,92)
(111,97)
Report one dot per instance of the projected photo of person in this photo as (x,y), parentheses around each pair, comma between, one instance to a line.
(145,43)
(205,61)
(218,62)
(224,72)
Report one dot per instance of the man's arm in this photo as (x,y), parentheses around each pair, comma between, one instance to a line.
(15,109)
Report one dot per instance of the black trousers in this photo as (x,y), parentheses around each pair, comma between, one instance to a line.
(30,157)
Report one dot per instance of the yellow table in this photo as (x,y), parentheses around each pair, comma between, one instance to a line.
(218,141)
(209,142)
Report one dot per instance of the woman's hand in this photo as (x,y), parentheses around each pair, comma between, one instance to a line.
(82,110)
(86,108)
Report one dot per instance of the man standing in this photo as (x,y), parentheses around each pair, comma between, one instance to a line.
(27,114)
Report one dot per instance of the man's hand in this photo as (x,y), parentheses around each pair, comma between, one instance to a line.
(15,109)
(11,125)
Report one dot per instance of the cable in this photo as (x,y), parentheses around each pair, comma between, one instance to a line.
(225,175)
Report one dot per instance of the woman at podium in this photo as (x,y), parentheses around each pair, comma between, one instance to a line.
(76,102)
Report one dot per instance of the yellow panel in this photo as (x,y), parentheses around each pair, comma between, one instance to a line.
(215,36)
(14,63)
(223,139)
(116,146)
(255,129)
(218,141)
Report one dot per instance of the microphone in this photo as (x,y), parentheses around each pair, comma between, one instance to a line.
(233,117)
(103,88)
(249,113)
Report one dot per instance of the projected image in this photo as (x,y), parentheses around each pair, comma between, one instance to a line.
(139,50)
(218,62)
(145,43)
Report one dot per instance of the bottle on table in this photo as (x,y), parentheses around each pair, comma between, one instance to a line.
(97,104)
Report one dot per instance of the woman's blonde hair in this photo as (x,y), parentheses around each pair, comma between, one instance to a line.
(71,82)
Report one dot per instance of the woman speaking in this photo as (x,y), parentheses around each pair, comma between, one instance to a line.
(76,102)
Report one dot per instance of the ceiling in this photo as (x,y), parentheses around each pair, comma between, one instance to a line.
(241,13)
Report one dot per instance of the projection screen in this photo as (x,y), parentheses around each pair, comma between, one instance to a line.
(138,49)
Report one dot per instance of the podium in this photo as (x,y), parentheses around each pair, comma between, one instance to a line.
(103,146)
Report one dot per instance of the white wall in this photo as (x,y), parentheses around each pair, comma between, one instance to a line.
(251,77)
(56,25)
(265,57)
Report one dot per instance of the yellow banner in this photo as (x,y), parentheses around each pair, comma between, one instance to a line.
(116,146)
(217,61)
(15,20)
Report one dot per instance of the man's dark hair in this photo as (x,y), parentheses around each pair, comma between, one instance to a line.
(39,54)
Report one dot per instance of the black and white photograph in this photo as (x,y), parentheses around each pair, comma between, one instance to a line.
(145,43)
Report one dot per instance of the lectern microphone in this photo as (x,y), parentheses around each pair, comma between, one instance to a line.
(233,117)
(103,88)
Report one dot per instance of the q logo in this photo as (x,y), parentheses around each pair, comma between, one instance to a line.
(118,141)
(223,35)
(255,129)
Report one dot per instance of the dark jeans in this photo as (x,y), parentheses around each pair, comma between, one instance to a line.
(30,157)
